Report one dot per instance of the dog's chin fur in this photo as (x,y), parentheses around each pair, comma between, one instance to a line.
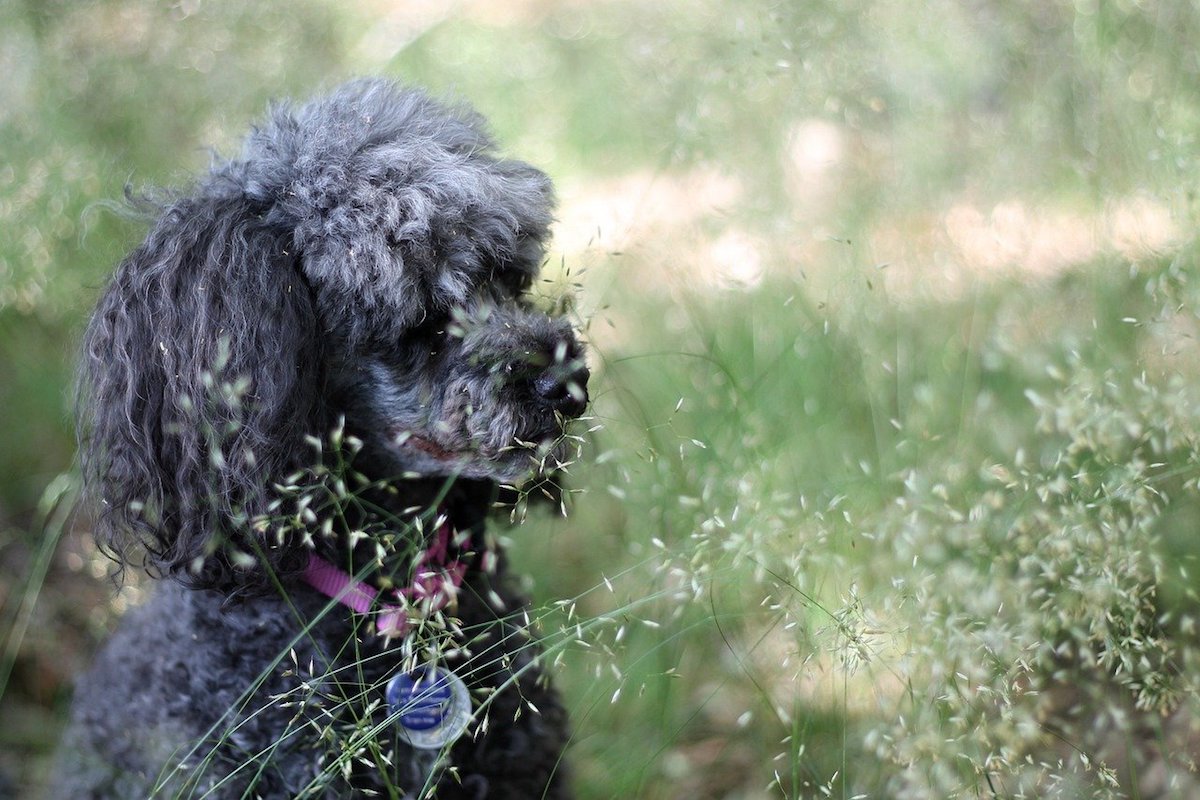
(361,267)
(413,455)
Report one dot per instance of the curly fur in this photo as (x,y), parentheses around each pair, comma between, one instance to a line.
(364,260)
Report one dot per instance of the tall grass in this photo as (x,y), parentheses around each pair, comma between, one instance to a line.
(926,550)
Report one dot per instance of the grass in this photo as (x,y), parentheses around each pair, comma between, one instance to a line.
(893,314)
(891,591)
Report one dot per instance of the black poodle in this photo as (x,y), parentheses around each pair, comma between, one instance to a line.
(300,398)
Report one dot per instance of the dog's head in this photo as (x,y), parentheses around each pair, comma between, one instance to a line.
(367,258)
(483,391)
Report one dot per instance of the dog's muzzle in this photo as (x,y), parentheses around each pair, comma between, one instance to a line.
(563,388)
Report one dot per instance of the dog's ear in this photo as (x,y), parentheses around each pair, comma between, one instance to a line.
(199,378)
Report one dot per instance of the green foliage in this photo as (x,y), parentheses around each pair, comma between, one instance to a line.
(949,582)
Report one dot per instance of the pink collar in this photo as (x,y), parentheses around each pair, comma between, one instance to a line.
(436,581)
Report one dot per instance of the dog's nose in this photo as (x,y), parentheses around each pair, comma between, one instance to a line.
(563,387)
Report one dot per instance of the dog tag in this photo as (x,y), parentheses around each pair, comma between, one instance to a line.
(432,706)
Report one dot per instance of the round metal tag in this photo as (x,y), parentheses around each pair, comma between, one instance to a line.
(431,704)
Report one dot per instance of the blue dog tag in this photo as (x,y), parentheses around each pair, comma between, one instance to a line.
(432,706)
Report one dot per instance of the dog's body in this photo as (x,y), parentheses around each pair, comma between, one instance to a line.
(323,352)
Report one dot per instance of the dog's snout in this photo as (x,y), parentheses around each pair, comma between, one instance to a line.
(563,387)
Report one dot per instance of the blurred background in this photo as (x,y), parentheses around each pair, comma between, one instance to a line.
(892,488)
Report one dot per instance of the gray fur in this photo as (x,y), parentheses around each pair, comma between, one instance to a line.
(365,260)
